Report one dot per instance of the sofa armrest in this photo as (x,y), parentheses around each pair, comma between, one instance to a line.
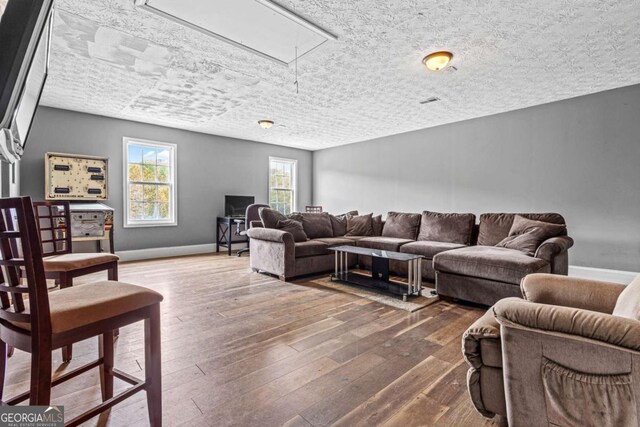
(605,328)
(270,235)
(573,292)
(552,247)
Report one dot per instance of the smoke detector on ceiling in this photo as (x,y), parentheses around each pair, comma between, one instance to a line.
(430,100)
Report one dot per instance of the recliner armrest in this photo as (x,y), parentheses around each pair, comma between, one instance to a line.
(613,330)
(573,292)
(270,234)
(553,246)
(486,327)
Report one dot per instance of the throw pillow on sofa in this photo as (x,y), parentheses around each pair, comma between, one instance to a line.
(294,227)
(447,227)
(628,303)
(270,217)
(360,225)
(526,235)
(316,225)
(376,222)
(401,225)
(339,223)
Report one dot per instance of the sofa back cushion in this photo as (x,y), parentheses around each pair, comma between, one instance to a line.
(401,225)
(339,223)
(628,304)
(377,224)
(447,227)
(496,226)
(526,234)
(270,217)
(315,225)
(294,227)
(359,225)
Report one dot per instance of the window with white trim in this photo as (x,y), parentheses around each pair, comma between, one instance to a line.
(149,183)
(282,184)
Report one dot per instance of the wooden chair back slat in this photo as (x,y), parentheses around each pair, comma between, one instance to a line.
(20,249)
(54,225)
(11,273)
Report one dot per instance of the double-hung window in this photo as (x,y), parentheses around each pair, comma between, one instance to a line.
(282,184)
(149,183)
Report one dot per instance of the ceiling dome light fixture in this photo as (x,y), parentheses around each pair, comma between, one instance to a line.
(265,124)
(436,61)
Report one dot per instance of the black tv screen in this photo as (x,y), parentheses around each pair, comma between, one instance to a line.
(25,27)
(237,205)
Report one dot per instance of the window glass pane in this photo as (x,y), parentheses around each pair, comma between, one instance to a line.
(162,173)
(163,193)
(163,210)
(135,210)
(135,172)
(149,210)
(135,192)
(134,153)
(149,155)
(163,157)
(150,193)
(149,173)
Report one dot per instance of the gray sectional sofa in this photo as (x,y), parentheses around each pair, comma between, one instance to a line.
(460,256)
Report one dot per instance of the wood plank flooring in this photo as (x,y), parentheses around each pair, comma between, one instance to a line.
(245,349)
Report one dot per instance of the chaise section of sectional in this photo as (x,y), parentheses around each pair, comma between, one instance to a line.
(485,273)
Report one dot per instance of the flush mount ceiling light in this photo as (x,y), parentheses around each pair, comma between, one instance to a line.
(436,61)
(265,124)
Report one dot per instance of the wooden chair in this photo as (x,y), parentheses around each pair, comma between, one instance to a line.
(313,209)
(60,263)
(42,322)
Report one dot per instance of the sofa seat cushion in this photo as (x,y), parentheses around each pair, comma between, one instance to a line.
(384,243)
(310,248)
(354,238)
(499,264)
(336,241)
(428,249)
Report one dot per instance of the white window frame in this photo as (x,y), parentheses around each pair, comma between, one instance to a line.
(173,168)
(294,189)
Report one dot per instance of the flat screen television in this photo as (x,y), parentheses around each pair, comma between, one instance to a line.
(25,36)
(237,205)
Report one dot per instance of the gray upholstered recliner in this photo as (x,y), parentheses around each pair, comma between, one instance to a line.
(558,357)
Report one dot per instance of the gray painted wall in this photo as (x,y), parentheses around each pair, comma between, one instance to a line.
(579,157)
(208,168)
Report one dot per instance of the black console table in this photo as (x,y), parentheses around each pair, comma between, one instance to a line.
(224,232)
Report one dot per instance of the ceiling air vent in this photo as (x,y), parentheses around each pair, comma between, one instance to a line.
(430,100)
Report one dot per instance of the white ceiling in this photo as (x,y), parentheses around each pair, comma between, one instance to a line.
(111,59)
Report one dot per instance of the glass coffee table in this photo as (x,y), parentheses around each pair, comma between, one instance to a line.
(379,278)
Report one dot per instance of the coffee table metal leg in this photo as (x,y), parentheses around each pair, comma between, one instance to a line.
(419,282)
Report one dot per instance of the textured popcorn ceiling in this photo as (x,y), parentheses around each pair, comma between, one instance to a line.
(111,59)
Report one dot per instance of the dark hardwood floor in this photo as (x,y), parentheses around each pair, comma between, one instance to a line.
(245,349)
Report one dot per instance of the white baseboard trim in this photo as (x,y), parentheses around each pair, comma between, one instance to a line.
(153,253)
(617,276)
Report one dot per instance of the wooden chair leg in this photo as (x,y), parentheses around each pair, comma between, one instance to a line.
(112,274)
(66,281)
(4,354)
(152,366)
(105,350)
(40,391)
